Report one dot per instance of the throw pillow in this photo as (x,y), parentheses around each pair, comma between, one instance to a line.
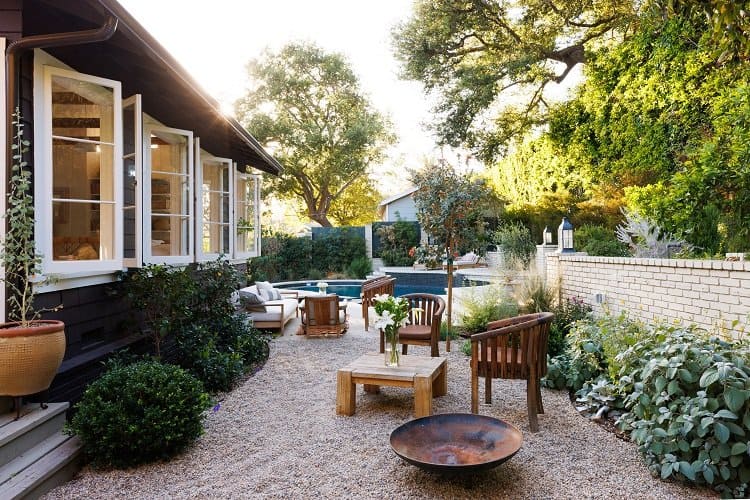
(252,301)
(274,294)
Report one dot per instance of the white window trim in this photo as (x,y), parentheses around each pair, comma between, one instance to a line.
(148,258)
(43,175)
(137,260)
(203,156)
(240,256)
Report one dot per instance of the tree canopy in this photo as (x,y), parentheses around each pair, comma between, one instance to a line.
(479,56)
(307,106)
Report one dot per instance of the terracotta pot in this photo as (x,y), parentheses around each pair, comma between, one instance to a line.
(30,357)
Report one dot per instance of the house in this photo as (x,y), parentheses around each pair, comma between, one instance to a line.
(400,206)
(133,164)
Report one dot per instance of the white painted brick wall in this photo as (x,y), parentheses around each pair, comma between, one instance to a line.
(712,294)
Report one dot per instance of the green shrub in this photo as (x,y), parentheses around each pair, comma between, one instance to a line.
(395,242)
(334,252)
(360,267)
(688,402)
(515,244)
(482,306)
(139,413)
(534,295)
(566,313)
(445,331)
(201,353)
(599,240)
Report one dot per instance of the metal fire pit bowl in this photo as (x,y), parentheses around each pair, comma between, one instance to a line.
(456,442)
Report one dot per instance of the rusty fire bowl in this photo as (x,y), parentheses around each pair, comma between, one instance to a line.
(456,442)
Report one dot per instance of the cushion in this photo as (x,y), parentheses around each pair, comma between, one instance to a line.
(251,300)
(265,289)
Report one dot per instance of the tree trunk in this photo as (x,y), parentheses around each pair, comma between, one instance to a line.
(321,218)
(450,304)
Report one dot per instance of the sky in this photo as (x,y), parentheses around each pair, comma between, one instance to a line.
(214,44)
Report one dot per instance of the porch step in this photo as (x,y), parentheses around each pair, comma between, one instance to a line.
(35,454)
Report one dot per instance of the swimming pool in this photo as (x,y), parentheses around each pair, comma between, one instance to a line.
(352,291)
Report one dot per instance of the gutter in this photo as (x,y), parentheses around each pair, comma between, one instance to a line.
(17,48)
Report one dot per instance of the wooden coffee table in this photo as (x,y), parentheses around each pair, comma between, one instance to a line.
(428,376)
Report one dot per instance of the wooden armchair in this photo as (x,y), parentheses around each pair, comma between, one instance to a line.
(423,327)
(323,316)
(513,348)
(371,288)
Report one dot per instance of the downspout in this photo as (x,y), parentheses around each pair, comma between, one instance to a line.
(18,47)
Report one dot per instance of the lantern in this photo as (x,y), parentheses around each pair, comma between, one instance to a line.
(547,236)
(565,237)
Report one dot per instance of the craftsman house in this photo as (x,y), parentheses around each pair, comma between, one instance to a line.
(133,164)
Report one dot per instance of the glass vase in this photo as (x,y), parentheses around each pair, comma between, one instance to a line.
(391,346)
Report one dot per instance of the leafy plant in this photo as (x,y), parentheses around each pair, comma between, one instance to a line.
(395,242)
(516,245)
(688,402)
(600,241)
(480,306)
(360,267)
(22,264)
(566,314)
(200,351)
(646,239)
(139,413)
(164,295)
(535,295)
(429,255)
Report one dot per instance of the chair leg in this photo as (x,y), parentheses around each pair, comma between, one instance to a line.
(531,404)
(434,351)
(474,394)
(540,406)
(488,389)
(404,348)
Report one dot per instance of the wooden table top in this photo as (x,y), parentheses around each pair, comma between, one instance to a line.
(372,365)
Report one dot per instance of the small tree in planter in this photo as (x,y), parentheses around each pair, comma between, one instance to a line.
(449,208)
(33,348)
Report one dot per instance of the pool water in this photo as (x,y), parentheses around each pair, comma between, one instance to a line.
(353,291)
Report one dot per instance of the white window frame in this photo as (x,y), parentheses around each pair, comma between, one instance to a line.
(43,180)
(202,256)
(136,102)
(148,258)
(256,202)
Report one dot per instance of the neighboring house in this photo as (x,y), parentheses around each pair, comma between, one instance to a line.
(400,206)
(133,164)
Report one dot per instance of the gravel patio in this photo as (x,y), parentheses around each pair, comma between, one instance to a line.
(277,436)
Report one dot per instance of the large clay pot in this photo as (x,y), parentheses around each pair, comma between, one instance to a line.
(30,357)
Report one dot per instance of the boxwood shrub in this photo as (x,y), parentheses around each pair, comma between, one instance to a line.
(139,413)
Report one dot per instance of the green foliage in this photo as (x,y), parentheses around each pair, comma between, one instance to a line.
(480,56)
(326,134)
(516,245)
(200,352)
(139,413)
(535,295)
(360,268)
(19,258)
(688,402)
(567,312)
(483,306)
(600,241)
(289,258)
(164,295)
(448,331)
(395,242)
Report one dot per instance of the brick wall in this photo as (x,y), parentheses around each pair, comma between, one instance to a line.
(713,294)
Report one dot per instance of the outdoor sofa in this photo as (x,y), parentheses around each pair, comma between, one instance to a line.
(269,307)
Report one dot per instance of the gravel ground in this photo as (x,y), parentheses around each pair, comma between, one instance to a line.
(278,436)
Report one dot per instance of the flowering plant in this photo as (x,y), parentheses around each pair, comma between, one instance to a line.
(429,255)
(391,313)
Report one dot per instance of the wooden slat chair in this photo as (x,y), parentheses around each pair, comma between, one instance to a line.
(372,287)
(512,348)
(323,316)
(424,327)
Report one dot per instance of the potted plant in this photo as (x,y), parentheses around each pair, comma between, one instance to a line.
(31,349)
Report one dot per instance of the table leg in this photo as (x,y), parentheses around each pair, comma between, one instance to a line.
(346,393)
(372,389)
(440,385)
(422,396)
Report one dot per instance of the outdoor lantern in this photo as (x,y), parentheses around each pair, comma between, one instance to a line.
(565,237)
(547,236)
(322,287)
